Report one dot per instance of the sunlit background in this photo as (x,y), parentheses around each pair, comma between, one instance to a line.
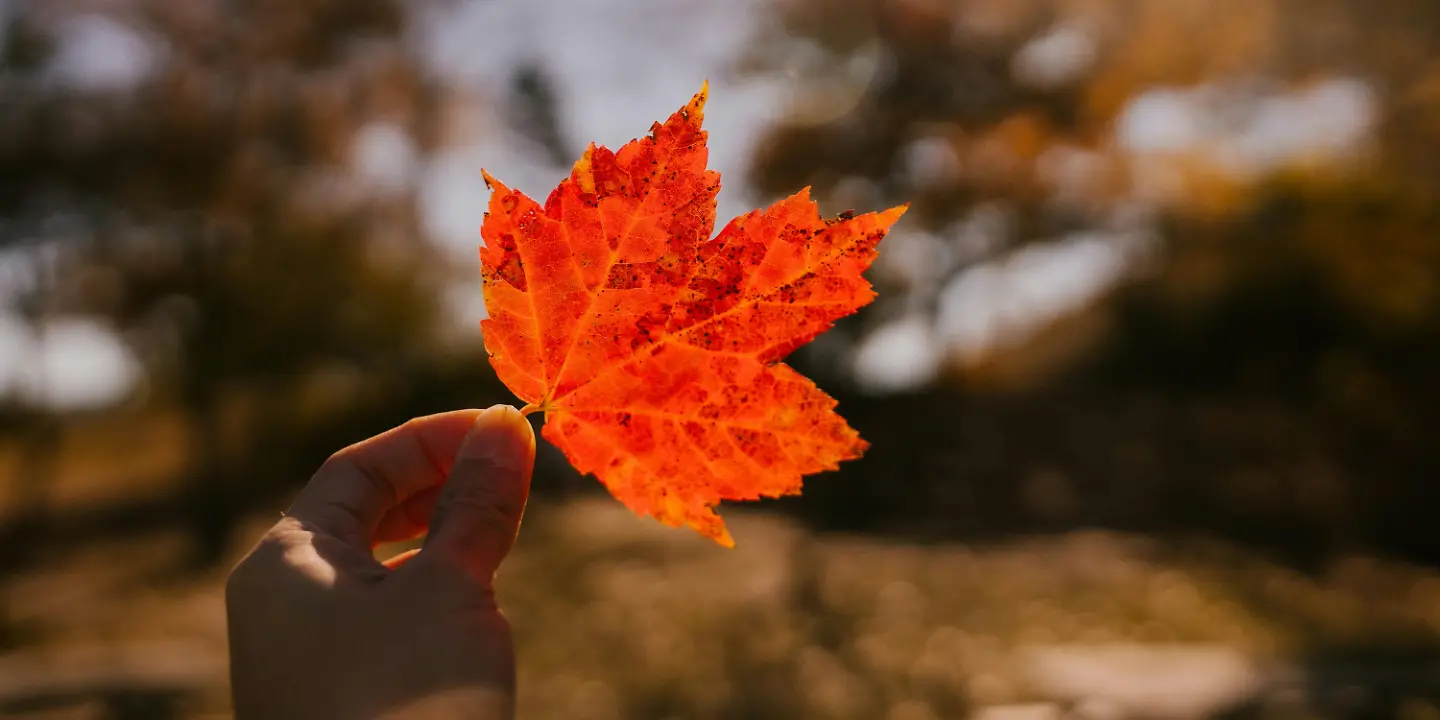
(1152,382)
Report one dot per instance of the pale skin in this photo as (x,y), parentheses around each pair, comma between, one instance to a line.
(320,629)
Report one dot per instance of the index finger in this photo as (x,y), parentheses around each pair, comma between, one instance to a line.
(350,494)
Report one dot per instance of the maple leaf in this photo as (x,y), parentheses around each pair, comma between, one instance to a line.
(654,348)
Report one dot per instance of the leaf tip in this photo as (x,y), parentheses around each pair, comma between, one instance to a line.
(859,448)
(888,217)
(584,172)
(694,111)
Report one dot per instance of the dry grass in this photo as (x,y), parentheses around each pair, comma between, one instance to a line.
(94,461)
(619,618)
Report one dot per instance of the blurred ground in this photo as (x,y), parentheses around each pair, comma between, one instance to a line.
(619,618)
(1150,380)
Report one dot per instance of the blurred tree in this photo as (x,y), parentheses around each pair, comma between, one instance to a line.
(1289,292)
(240,211)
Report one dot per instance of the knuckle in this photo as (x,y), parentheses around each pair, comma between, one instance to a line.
(492,521)
(482,512)
(500,489)
(338,460)
(261,567)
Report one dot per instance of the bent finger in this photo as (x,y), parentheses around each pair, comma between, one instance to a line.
(351,494)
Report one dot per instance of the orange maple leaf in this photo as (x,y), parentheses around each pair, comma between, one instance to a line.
(653,348)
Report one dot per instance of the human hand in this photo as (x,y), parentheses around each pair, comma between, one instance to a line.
(320,629)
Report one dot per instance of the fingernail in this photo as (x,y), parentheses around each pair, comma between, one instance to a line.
(500,435)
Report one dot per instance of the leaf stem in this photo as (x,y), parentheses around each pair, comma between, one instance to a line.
(542,406)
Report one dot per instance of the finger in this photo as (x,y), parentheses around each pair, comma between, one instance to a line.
(401,558)
(410,518)
(481,504)
(352,493)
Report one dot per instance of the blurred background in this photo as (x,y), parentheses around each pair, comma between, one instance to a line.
(1152,382)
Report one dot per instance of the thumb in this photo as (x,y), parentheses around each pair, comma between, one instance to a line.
(480,506)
